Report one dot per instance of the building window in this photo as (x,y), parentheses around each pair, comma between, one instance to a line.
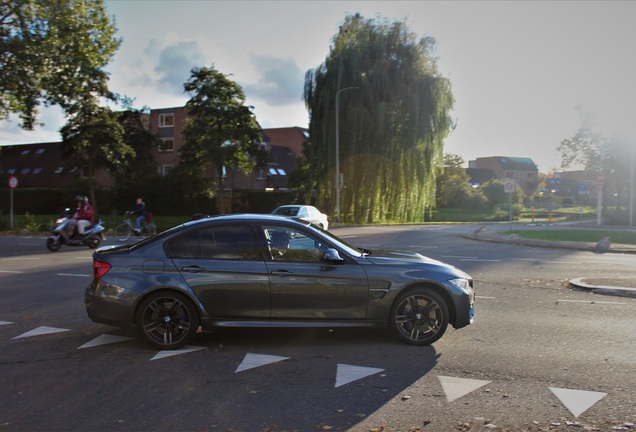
(39,152)
(37,171)
(11,171)
(85,172)
(166,145)
(59,170)
(164,169)
(25,152)
(166,120)
(25,170)
(510,174)
(261,174)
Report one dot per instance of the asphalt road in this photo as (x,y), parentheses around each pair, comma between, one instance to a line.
(540,356)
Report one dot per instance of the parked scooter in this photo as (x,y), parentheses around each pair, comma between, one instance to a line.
(92,237)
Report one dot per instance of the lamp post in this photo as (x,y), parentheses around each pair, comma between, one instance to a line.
(338,178)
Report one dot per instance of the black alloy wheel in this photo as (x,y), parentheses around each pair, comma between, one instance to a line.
(419,316)
(167,320)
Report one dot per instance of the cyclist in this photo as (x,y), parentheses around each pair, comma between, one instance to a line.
(140,211)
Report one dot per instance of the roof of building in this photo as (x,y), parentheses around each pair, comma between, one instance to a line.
(292,137)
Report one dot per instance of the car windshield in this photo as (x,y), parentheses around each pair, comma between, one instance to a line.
(337,241)
(287,211)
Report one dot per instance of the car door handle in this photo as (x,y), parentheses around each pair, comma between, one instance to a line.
(192,269)
(281,273)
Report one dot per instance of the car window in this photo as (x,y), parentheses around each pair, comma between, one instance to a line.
(287,211)
(186,246)
(222,242)
(302,212)
(287,244)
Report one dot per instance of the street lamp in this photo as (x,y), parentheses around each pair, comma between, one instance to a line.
(338,178)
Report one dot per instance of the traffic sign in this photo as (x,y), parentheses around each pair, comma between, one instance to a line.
(509,185)
(13,182)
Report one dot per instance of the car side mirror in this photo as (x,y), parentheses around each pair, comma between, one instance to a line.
(333,256)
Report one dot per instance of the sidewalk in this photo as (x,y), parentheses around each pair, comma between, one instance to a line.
(614,286)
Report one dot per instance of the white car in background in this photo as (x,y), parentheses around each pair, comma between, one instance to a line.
(305,212)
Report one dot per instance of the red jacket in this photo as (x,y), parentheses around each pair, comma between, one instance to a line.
(85,212)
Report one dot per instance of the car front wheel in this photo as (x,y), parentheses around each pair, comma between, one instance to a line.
(419,316)
(167,320)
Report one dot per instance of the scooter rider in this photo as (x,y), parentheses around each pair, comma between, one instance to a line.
(83,217)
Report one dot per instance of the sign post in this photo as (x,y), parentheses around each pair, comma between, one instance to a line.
(13,183)
(509,188)
(600,182)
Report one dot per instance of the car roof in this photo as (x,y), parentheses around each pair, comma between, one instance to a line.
(247,217)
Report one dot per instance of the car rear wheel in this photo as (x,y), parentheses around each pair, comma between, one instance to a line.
(167,320)
(419,316)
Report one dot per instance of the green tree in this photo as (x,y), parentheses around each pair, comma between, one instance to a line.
(391,128)
(494,191)
(94,137)
(453,190)
(52,52)
(599,152)
(139,166)
(221,131)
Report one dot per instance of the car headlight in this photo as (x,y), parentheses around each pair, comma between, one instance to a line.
(462,284)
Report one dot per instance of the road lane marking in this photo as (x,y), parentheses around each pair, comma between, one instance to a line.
(43,330)
(454,388)
(170,353)
(480,260)
(577,401)
(591,302)
(251,361)
(10,271)
(20,259)
(104,340)
(349,373)
(74,275)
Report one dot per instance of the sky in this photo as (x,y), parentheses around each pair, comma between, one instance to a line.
(518,69)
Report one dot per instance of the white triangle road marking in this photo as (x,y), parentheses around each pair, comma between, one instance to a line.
(41,331)
(454,388)
(104,339)
(349,373)
(255,360)
(577,401)
(169,353)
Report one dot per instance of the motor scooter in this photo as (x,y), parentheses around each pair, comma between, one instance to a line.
(92,237)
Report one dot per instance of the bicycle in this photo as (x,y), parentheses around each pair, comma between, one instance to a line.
(126,229)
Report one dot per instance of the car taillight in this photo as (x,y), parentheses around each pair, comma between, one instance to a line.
(100,268)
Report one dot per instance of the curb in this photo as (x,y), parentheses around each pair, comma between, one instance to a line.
(481,234)
(605,289)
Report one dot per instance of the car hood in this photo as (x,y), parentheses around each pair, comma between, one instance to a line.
(405,258)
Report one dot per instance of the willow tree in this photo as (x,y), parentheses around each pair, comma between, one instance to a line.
(392,123)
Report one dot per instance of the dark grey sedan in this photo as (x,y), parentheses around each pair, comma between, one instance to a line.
(270,271)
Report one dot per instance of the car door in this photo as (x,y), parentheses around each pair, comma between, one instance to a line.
(225,268)
(305,287)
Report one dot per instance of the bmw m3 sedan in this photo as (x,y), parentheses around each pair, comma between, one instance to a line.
(270,271)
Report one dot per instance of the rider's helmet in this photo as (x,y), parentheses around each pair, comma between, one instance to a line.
(81,199)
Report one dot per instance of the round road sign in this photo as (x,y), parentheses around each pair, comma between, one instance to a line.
(13,182)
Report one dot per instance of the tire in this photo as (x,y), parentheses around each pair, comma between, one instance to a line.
(93,242)
(151,229)
(167,320)
(53,244)
(419,316)
(122,232)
